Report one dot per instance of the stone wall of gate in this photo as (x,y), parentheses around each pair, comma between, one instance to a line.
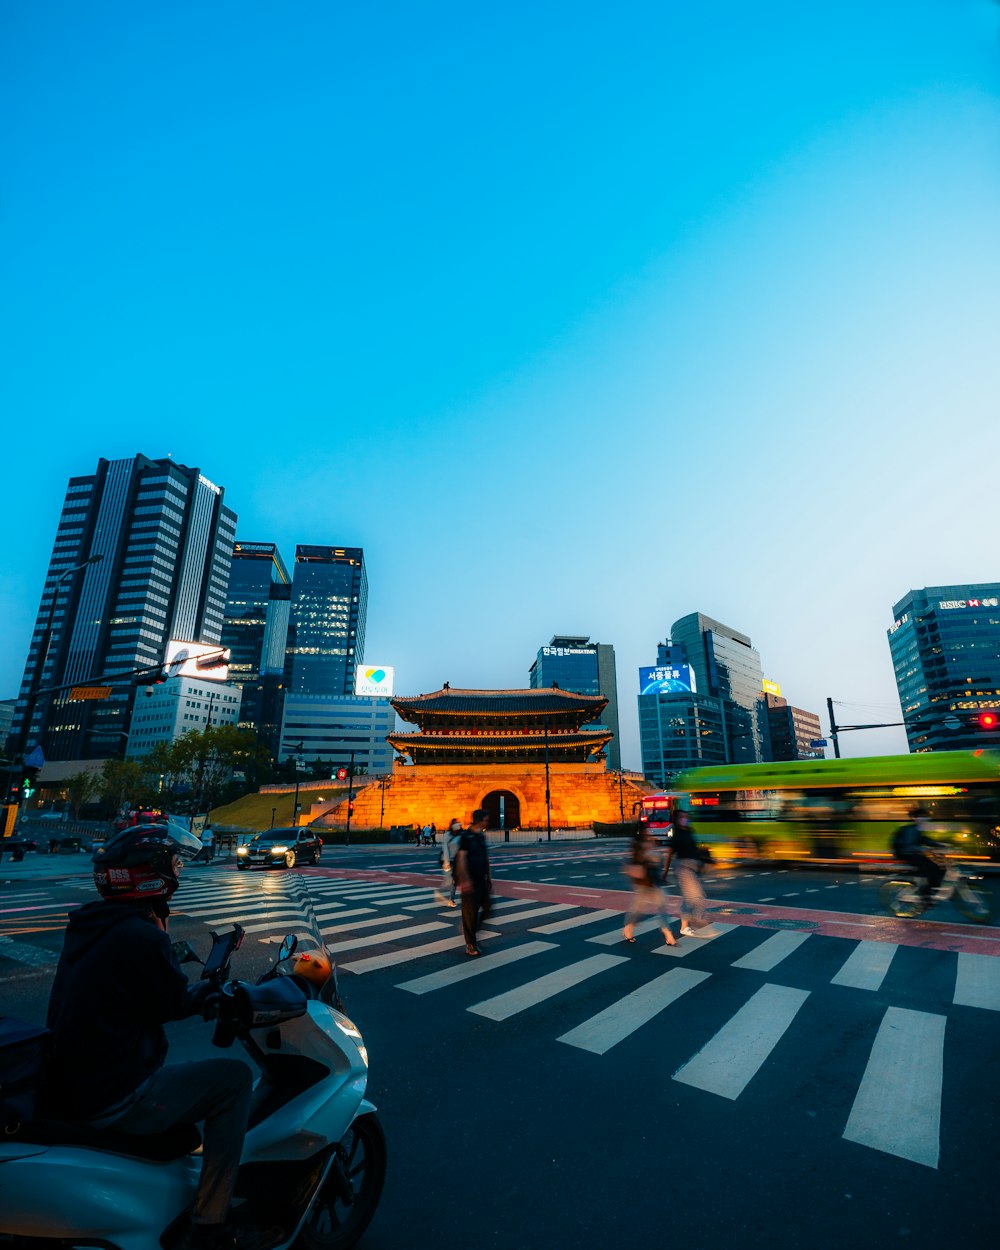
(436,794)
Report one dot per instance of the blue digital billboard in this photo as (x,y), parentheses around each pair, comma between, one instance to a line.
(667,679)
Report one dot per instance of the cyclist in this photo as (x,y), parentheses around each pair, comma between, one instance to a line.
(907,844)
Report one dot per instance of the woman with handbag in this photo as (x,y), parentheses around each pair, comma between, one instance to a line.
(646,868)
(689,859)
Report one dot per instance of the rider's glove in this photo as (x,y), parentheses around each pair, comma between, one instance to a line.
(203,999)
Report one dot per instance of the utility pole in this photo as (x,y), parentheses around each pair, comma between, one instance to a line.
(621,797)
(833,728)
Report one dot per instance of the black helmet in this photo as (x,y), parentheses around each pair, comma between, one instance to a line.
(137,864)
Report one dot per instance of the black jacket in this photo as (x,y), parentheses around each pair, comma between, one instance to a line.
(683,842)
(116,983)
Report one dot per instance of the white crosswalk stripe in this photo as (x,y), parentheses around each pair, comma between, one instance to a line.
(866,966)
(508,1004)
(898,1105)
(473,968)
(621,1019)
(771,952)
(977,982)
(726,1064)
(377,939)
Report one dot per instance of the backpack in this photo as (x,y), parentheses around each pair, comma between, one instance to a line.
(23,1048)
(905,841)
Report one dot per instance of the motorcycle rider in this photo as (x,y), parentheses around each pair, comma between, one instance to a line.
(116,984)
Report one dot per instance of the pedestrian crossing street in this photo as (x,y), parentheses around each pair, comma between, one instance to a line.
(375,927)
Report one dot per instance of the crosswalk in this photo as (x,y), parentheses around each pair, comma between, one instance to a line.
(537,953)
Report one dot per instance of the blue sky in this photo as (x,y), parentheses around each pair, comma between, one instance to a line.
(576,317)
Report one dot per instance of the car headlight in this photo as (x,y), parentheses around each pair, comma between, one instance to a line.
(242,850)
(279,850)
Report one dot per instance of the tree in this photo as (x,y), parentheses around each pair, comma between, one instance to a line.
(126,784)
(81,788)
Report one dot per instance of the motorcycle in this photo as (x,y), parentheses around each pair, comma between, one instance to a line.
(314,1157)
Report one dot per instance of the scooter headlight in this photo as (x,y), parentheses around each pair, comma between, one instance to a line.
(354,1033)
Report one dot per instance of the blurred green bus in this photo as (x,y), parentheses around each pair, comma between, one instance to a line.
(828,811)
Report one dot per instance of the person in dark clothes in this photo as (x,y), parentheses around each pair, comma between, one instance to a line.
(472,874)
(909,843)
(116,984)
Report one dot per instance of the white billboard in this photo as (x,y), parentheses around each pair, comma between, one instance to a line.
(206,660)
(374,680)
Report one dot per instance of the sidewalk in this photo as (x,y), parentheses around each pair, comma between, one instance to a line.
(37,867)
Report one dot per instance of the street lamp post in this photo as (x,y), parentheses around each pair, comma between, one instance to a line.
(296,757)
(274,812)
(381,812)
(621,796)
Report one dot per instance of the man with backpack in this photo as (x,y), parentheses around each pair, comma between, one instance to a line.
(472,875)
(907,842)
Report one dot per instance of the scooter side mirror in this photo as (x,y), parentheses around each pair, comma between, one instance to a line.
(184,952)
(287,948)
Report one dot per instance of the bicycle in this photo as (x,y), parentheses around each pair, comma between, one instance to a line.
(901,896)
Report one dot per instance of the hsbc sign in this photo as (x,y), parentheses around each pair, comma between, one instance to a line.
(969,603)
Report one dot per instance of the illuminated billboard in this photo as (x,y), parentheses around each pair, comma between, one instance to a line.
(206,660)
(374,680)
(667,679)
(771,687)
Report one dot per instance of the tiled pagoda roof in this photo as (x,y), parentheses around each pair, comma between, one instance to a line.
(548,699)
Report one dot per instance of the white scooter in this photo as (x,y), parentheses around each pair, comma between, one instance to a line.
(314,1157)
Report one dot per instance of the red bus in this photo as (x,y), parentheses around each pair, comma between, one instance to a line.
(656,813)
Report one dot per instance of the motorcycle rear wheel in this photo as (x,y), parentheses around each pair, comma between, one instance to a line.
(333,1224)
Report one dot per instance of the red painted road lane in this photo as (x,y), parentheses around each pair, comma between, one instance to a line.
(929,934)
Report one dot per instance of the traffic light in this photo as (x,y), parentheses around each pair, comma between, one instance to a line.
(989,720)
(28,785)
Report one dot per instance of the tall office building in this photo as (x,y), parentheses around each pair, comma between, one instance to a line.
(945,647)
(583,667)
(256,632)
(726,667)
(791,731)
(326,630)
(679,727)
(141,556)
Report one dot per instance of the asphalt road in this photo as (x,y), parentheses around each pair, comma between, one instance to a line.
(817,1075)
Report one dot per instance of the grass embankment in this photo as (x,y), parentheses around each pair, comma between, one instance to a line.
(254,811)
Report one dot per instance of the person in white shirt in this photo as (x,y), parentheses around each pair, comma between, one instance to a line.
(449,849)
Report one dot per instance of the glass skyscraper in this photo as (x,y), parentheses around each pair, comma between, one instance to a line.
(945,647)
(728,668)
(159,541)
(256,632)
(326,630)
(583,667)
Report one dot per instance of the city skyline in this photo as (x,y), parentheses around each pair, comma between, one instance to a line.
(574,321)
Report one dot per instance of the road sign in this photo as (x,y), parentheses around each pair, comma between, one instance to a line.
(819,742)
(952,723)
(90,692)
(341,774)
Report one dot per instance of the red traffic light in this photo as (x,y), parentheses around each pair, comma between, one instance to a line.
(989,720)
